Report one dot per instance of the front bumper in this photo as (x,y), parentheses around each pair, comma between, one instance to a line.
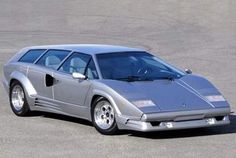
(171,125)
(176,120)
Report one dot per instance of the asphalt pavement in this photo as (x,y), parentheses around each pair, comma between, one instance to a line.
(199,35)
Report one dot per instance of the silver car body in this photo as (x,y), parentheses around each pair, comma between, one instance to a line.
(182,103)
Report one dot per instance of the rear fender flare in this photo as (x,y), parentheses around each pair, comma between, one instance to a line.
(30,90)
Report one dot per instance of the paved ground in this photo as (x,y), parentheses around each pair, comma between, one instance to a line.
(199,35)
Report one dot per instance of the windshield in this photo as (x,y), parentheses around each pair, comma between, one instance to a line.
(135,66)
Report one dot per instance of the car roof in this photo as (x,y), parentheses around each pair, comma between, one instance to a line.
(88,48)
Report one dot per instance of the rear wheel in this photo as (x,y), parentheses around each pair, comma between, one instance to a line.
(18,100)
(103,116)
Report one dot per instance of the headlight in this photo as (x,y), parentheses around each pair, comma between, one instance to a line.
(215,98)
(143,103)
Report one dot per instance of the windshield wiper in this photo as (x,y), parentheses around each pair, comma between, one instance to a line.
(133,78)
(171,78)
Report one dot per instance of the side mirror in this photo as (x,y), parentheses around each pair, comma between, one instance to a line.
(188,71)
(77,75)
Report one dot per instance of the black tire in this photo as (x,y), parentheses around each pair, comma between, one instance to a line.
(25,110)
(110,131)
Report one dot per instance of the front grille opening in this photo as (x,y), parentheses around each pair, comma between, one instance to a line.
(219,118)
(155,123)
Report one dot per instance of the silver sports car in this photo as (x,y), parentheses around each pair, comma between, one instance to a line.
(114,87)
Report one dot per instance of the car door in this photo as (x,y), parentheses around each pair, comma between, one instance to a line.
(37,76)
(70,92)
(40,75)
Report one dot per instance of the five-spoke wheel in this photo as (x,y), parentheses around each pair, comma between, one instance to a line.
(18,100)
(103,116)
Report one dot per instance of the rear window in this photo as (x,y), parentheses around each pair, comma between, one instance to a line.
(32,55)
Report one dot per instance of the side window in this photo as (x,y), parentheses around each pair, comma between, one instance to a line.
(53,58)
(77,62)
(91,71)
(32,55)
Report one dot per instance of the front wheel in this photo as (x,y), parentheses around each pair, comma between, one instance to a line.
(18,100)
(103,117)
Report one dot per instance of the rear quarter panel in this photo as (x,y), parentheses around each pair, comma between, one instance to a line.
(18,71)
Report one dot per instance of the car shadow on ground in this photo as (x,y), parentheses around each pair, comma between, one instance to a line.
(60,117)
(228,129)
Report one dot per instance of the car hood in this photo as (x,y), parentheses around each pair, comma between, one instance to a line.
(184,94)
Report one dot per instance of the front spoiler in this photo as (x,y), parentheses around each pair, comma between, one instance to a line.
(146,126)
(176,120)
(180,115)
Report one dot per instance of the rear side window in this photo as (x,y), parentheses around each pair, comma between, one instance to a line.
(32,55)
(53,58)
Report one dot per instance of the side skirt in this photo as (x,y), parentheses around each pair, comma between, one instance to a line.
(58,107)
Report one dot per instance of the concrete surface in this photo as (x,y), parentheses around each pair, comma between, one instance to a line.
(200,35)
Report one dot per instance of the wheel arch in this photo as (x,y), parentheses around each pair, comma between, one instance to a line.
(102,94)
(25,82)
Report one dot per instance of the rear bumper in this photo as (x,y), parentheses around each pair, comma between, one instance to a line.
(5,84)
(176,120)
